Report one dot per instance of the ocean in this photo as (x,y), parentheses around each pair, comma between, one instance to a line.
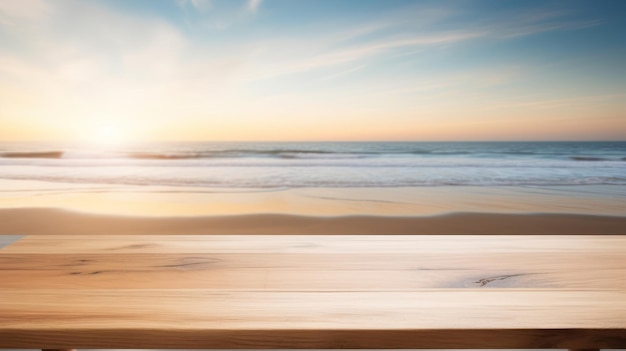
(320,164)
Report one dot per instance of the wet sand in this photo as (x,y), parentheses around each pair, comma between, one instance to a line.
(48,221)
(149,201)
(32,207)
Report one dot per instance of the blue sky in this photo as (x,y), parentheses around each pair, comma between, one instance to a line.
(313,70)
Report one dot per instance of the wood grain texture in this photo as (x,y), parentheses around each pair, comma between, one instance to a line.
(317,244)
(63,292)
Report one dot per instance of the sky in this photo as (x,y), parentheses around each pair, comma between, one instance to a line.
(268,70)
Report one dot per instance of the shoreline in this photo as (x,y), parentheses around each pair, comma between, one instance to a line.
(54,221)
(151,201)
(40,208)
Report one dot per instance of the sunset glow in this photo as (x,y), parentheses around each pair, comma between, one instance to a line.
(108,135)
(312,70)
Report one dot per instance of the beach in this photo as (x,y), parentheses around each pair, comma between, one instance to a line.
(54,209)
(312,174)
(59,222)
(314,188)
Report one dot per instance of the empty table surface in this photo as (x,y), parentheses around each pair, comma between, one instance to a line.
(322,291)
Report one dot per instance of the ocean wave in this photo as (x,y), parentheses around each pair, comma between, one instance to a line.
(32,154)
(447,152)
(174,161)
(590,158)
(242,153)
(279,165)
(325,182)
(161,156)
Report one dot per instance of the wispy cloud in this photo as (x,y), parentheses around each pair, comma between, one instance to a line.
(111,68)
(537,21)
(253,5)
(23,10)
(343,72)
(218,15)
(202,5)
(428,33)
(145,64)
(545,27)
(456,84)
(364,51)
(582,100)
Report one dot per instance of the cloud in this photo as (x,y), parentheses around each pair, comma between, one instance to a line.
(118,65)
(207,5)
(23,10)
(217,15)
(404,33)
(141,66)
(525,30)
(361,52)
(343,72)
(202,5)
(456,83)
(574,102)
(253,5)
(537,21)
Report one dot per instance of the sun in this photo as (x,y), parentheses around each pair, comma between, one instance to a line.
(109,136)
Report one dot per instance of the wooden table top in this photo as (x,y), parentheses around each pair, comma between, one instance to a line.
(313,292)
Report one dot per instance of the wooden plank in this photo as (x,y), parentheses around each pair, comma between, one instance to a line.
(318,244)
(312,280)
(223,319)
(569,261)
(313,292)
(455,309)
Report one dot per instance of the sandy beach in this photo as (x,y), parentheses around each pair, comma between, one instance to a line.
(30,207)
(62,222)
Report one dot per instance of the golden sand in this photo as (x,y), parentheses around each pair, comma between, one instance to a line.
(61,222)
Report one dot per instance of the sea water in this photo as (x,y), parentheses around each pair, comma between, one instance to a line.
(320,164)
